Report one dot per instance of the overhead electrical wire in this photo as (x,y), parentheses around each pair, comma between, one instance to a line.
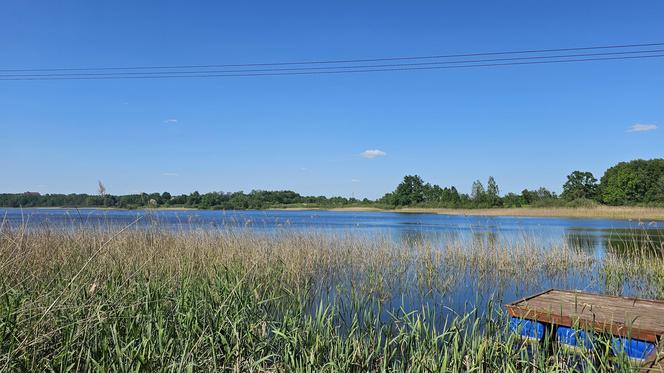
(164,72)
(331,72)
(475,54)
(336,67)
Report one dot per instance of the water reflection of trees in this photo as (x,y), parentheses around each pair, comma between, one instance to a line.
(582,241)
(412,237)
(631,242)
(619,242)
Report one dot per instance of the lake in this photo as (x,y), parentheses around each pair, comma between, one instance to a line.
(594,237)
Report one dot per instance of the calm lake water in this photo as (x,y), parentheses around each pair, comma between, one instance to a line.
(593,236)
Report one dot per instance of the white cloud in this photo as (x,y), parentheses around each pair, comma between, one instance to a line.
(354,180)
(171,121)
(642,127)
(372,153)
(170,174)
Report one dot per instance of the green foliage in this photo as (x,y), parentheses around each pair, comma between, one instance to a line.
(257,199)
(414,192)
(582,202)
(638,181)
(513,200)
(541,197)
(627,183)
(579,185)
(477,192)
(493,193)
(410,191)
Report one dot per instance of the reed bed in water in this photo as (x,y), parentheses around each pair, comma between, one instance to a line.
(635,262)
(109,299)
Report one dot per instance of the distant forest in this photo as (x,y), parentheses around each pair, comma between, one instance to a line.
(638,182)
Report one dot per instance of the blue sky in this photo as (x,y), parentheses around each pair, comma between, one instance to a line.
(528,126)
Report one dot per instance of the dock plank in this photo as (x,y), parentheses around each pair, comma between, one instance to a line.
(628,317)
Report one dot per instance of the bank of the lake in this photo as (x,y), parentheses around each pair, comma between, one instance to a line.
(605,212)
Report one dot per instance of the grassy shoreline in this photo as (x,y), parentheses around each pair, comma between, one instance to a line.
(607,212)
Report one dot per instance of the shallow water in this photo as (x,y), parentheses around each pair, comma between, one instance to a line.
(595,237)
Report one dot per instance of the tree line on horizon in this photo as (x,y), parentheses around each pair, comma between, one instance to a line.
(638,182)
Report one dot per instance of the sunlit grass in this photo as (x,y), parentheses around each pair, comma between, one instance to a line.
(100,299)
(645,214)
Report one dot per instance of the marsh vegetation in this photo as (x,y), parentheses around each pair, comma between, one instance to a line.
(113,298)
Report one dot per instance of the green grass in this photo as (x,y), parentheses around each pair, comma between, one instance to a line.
(151,300)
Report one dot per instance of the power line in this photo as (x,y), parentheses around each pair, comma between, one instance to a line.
(146,73)
(314,62)
(204,75)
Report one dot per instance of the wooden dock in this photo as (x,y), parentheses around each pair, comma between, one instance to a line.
(626,317)
(633,318)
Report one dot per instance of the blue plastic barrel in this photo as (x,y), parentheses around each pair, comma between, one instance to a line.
(527,328)
(634,348)
(574,337)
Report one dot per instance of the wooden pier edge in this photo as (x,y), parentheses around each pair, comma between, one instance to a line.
(612,327)
(619,330)
(653,332)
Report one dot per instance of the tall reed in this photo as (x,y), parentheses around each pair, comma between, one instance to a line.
(148,299)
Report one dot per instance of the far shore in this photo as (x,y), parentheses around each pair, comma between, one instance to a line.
(599,212)
(110,208)
(606,212)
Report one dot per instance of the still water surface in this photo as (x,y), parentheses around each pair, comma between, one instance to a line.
(593,235)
